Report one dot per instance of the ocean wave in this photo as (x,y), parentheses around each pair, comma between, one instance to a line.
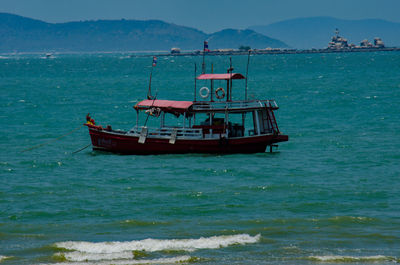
(352,219)
(152,245)
(84,256)
(173,260)
(2,258)
(335,220)
(141,223)
(333,258)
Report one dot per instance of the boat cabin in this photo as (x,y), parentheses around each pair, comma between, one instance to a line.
(214,116)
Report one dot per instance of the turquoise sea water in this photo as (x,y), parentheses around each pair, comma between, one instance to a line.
(329,195)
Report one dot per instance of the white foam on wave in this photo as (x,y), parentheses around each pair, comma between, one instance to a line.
(83,256)
(179,259)
(333,258)
(152,245)
(2,258)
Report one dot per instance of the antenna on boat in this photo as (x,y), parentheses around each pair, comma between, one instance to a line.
(212,83)
(203,67)
(195,80)
(247,73)
(149,96)
(230,79)
(205,49)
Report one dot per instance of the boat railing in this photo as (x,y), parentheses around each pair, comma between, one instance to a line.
(234,105)
(167,132)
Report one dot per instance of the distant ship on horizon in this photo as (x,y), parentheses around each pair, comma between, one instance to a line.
(338,43)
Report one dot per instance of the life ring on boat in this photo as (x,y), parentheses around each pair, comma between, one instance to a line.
(204,92)
(220,95)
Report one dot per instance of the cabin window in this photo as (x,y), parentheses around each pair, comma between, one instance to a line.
(211,123)
(202,119)
(236,125)
(218,119)
(242,124)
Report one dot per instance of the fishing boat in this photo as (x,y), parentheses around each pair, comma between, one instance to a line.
(214,123)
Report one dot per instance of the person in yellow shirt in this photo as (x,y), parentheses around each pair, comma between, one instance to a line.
(89,120)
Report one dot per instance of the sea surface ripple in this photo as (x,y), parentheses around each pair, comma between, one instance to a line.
(329,195)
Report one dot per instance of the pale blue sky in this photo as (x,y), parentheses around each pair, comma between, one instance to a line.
(206,15)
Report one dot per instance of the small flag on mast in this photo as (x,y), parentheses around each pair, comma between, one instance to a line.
(206,46)
(154,61)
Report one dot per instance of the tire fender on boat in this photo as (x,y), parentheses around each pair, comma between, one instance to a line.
(204,92)
(223,141)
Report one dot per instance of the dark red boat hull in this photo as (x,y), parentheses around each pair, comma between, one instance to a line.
(124,144)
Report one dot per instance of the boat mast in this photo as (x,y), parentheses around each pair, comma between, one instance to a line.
(212,84)
(230,70)
(245,90)
(203,66)
(149,96)
(195,81)
(149,91)
(205,49)
(247,73)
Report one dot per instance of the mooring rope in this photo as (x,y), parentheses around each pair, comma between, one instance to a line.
(52,140)
(83,148)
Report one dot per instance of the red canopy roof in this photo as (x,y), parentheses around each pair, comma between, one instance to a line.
(220,76)
(166,105)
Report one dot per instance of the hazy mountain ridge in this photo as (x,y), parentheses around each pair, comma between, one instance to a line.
(316,32)
(24,34)
(228,38)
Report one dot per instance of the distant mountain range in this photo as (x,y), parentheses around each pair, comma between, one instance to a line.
(230,38)
(316,32)
(21,34)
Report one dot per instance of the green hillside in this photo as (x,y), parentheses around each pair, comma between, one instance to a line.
(20,34)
